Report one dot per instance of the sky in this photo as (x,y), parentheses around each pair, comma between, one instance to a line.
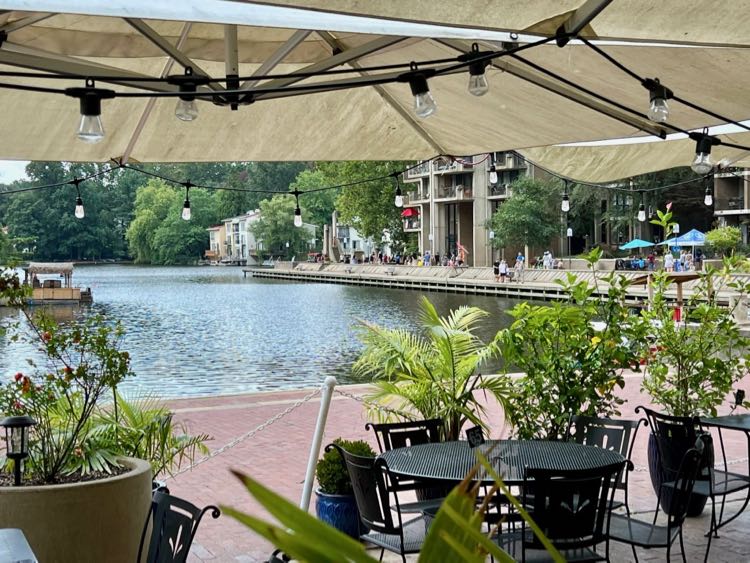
(11,170)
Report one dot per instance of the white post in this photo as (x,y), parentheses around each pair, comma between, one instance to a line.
(325,402)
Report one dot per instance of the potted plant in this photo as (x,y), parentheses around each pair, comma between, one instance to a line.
(433,374)
(694,363)
(83,498)
(335,502)
(572,354)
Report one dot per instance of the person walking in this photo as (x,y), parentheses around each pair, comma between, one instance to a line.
(496,270)
(669,262)
(518,275)
(503,270)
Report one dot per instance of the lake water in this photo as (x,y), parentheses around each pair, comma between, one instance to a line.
(196,331)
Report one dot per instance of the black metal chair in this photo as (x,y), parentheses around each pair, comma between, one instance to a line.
(175,522)
(372,486)
(572,508)
(611,434)
(391,435)
(648,535)
(674,436)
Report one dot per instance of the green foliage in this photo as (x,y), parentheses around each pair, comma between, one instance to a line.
(724,240)
(570,367)
(434,374)
(158,234)
(693,366)
(531,216)
(333,478)
(276,227)
(454,535)
(83,362)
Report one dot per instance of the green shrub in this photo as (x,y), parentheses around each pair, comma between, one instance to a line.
(333,478)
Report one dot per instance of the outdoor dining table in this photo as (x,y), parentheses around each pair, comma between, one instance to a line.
(452,461)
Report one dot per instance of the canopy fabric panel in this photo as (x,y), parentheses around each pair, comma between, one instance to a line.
(410,212)
(49,268)
(526,107)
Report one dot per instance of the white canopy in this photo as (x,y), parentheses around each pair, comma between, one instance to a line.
(701,58)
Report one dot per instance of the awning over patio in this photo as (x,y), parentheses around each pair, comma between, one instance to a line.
(410,212)
(543,96)
(65,268)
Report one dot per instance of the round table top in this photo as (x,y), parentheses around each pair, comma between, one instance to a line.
(452,461)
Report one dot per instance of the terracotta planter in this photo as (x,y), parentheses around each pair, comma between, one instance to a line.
(84,522)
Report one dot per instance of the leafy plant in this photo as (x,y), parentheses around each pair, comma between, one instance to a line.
(694,364)
(83,362)
(724,239)
(433,374)
(572,354)
(333,478)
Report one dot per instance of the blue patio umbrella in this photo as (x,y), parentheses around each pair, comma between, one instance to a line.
(692,238)
(636,243)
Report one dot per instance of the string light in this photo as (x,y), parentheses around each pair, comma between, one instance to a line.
(709,197)
(186,212)
(493,174)
(79,212)
(702,163)
(478,85)
(565,205)
(186,108)
(399,200)
(297,210)
(658,110)
(424,103)
(641,212)
(90,128)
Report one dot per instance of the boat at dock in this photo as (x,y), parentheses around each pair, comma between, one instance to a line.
(49,290)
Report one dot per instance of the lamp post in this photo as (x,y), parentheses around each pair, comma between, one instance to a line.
(17,441)
(570,259)
(492,248)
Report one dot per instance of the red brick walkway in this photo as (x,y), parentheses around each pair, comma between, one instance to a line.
(277,456)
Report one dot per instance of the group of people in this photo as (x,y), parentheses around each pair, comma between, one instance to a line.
(683,263)
(502,270)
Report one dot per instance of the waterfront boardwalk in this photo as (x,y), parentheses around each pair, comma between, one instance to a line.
(535,284)
(277,456)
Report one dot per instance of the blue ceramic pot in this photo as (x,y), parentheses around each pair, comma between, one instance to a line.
(339,511)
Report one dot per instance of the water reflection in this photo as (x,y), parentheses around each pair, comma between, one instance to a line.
(204,331)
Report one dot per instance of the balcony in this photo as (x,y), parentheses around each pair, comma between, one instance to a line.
(422,169)
(444,166)
(416,197)
(412,225)
(454,193)
(499,191)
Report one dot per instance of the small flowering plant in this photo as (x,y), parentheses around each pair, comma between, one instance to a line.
(83,363)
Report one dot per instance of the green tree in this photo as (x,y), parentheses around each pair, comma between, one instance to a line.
(724,239)
(275,228)
(152,205)
(530,216)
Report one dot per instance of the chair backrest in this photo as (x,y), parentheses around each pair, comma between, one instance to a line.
(175,522)
(675,435)
(572,508)
(608,433)
(401,434)
(682,490)
(369,477)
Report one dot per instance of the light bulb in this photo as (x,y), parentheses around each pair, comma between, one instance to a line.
(478,85)
(702,164)
(298,217)
(186,110)
(642,213)
(186,213)
(565,205)
(79,212)
(424,104)
(493,174)
(90,129)
(658,111)
(709,199)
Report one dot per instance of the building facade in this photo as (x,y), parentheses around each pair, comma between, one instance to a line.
(448,202)
(732,200)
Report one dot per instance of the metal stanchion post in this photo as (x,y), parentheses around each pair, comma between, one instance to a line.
(325,403)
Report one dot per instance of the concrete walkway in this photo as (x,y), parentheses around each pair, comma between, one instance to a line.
(277,456)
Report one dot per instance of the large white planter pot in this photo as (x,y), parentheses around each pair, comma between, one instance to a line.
(95,521)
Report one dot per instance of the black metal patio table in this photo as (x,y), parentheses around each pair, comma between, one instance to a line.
(452,461)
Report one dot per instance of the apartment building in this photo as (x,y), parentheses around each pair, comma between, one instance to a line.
(731,200)
(448,201)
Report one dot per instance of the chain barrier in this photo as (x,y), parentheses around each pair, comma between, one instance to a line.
(249,434)
(365,402)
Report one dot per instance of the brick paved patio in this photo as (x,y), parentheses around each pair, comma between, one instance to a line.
(277,456)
